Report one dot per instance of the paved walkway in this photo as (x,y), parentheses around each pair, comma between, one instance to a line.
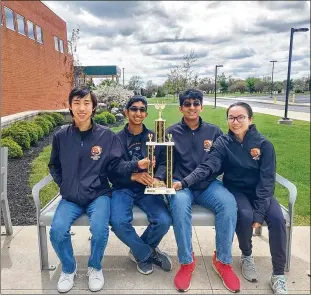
(20,272)
(274,112)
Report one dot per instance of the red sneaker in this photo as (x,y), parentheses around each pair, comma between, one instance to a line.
(182,279)
(230,280)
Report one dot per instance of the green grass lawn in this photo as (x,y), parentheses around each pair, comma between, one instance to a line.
(292,145)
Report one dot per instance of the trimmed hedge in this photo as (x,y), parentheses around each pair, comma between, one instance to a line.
(15,150)
(45,124)
(111,118)
(100,119)
(59,118)
(19,135)
(32,130)
(49,118)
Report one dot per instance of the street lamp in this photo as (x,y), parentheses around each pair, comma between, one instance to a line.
(273,61)
(217,66)
(285,119)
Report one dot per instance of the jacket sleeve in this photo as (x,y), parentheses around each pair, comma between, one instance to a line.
(117,165)
(54,164)
(211,164)
(266,184)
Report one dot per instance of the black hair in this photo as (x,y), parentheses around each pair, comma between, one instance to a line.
(190,93)
(134,99)
(244,105)
(80,93)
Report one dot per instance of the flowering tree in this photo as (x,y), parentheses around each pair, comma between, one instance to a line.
(112,93)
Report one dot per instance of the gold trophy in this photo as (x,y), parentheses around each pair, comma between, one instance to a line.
(159,125)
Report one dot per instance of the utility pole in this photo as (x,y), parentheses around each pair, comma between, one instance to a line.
(273,61)
(123,76)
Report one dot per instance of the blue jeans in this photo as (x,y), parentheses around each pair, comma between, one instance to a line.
(216,198)
(122,215)
(66,213)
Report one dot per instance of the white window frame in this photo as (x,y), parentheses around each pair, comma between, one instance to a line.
(56,39)
(33,29)
(17,15)
(61,46)
(39,41)
(6,23)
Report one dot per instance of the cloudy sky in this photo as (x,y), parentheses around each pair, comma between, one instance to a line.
(148,38)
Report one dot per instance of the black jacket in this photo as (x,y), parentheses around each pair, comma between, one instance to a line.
(190,148)
(125,181)
(81,168)
(248,166)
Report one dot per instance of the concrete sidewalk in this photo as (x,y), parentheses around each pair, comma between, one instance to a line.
(274,112)
(20,273)
(279,102)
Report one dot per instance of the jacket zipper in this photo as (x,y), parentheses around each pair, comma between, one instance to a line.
(81,145)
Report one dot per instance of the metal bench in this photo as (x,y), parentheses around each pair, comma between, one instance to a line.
(200,217)
(3,192)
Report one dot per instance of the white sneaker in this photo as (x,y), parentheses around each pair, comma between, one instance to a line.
(278,284)
(96,279)
(66,281)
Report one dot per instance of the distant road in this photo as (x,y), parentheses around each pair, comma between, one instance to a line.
(299,98)
(269,105)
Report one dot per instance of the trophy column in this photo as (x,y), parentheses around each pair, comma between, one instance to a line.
(169,164)
(160,187)
(150,155)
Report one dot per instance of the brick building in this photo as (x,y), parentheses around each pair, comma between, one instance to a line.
(36,66)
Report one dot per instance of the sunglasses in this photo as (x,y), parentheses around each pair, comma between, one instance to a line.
(188,104)
(136,109)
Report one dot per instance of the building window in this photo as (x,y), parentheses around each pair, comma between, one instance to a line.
(20,24)
(39,34)
(56,43)
(1,15)
(31,33)
(61,46)
(9,18)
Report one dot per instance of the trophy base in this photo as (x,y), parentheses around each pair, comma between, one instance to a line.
(159,191)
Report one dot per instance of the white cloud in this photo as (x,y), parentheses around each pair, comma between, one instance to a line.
(147,38)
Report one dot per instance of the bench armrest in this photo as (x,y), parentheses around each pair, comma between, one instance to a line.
(292,194)
(36,191)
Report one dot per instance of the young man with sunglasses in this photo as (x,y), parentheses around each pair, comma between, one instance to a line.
(193,139)
(129,191)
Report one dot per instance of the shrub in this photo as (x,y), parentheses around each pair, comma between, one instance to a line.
(100,119)
(18,134)
(114,105)
(44,124)
(111,118)
(15,150)
(49,117)
(32,130)
(59,118)
(38,128)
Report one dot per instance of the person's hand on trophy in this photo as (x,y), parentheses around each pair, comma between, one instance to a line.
(143,178)
(144,163)
(177,185)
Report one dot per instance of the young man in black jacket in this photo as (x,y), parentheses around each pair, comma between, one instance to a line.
(83,155)
(129,191)
(248,162)
(193,139)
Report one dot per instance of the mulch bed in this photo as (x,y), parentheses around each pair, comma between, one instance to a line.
(21,204)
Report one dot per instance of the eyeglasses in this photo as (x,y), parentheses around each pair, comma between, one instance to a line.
(188,104)
(136,109)
(240,119)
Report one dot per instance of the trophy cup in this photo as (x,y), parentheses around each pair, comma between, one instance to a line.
(159,125)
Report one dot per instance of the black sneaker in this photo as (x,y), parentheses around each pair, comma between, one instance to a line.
(161,259)
(145,267)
